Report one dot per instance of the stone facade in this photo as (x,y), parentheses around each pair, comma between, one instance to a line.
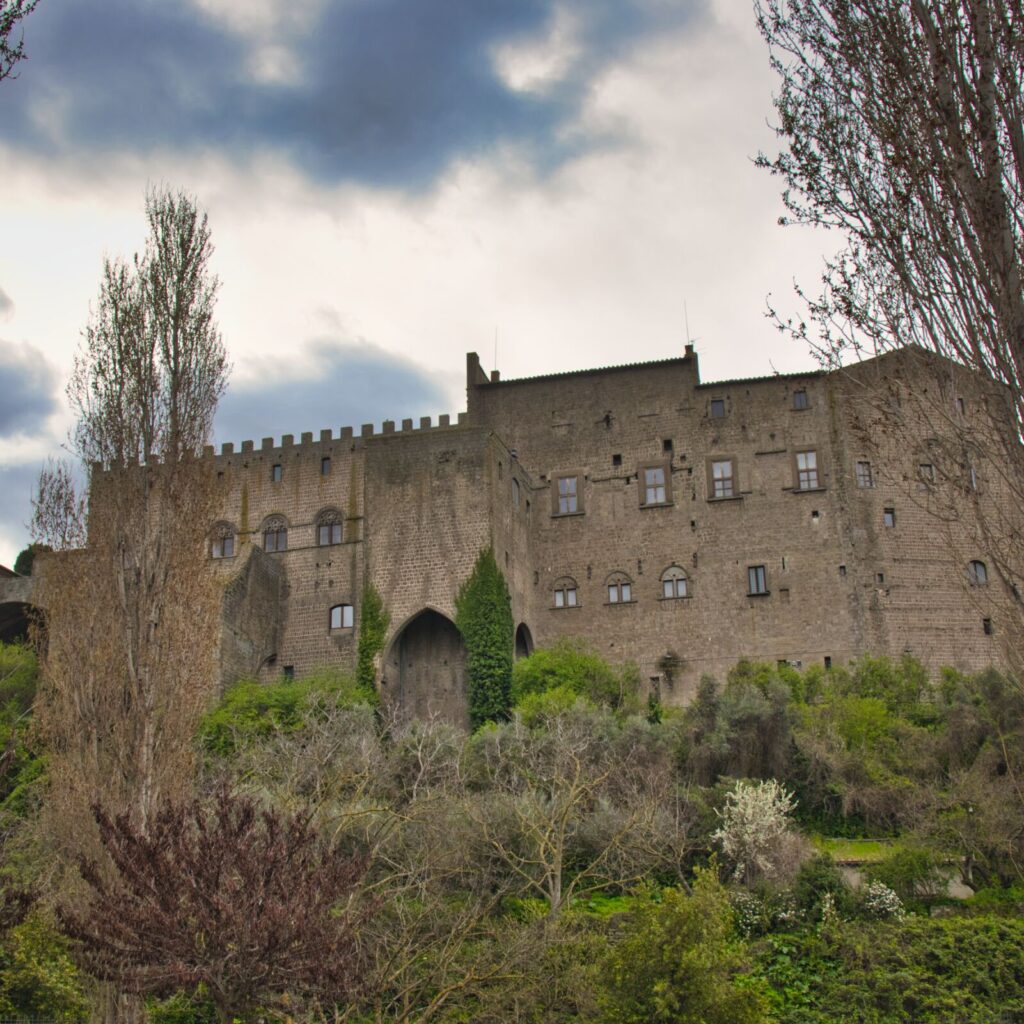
(598,492)
(672,523)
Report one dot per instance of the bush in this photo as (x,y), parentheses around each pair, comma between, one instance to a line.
(680,963)
(911,872)
(572,668)
(19,675)
(252,711)
(819,877)
(929,971)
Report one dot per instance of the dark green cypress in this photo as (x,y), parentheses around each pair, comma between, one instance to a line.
(483,614)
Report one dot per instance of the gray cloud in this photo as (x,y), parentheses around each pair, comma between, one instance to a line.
(392,90)
(6,305)
(27,390)
(347,385)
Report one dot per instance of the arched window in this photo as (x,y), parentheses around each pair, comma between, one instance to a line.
(275,534)
(566,595)
(620,588)
(328,527)
(222,541)
(674,583)
(977,573)
(342,616)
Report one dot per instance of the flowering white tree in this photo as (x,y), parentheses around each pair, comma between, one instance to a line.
(756,833)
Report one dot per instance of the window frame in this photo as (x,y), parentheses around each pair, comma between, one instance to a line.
(565,594)
(619,589)
(801,400)
(732,478)
(811,473)
(757,581)
(329,519)
(558,496)
(671,578)
(325,465)
(719,404)
(977,579)
(276,527)
(864,474)
(277,472)
(345,611)
(889,517)
(222,535)
(665,469)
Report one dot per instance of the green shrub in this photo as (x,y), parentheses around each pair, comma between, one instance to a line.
(252,711)
(483,614)
(925,970)
(818,877)
(680,963)
(911,872)
(38,978)
(570,667)
(19,676)
(180,1009)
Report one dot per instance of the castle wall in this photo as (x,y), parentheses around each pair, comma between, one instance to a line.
(418,504)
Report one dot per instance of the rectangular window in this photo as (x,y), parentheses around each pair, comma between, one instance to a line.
(800,399)
(718,408)
(568,498)
(926,471)
(613,593)
(889,517)
(864,477)
(276,472)
(654,485)
(721,478)
(617,460)
(570,597)
(986,625)
(325,466)
(666,445)
(757,580)
(806,471)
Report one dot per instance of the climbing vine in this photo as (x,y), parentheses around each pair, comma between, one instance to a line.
(483,614)
(373,628)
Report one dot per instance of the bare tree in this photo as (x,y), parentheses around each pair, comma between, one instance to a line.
(130,659)
(901,121)
(251,905)
(11,51)
(903,125)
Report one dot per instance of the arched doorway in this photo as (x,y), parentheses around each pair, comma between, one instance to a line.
(524,641)
(425,670)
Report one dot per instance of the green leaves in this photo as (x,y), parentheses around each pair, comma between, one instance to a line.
(483,614)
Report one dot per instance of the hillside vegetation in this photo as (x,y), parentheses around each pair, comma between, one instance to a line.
(593,858)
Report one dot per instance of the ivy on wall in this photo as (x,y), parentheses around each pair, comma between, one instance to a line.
(483,614)
(373,628)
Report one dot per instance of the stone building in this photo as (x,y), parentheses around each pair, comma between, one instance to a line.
(669,522)
(673,523)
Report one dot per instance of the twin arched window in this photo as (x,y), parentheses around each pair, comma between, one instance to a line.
(275,534)
(342,616)
(620,588)
(674,583)
(328,527)
(222,541)
(566,593)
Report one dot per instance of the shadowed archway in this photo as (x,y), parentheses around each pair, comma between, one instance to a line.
(524,641)
(16,618)
(425,669)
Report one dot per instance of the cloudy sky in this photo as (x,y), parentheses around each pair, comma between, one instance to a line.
(554,184)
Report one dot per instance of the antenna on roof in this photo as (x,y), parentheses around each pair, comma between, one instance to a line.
(686,318)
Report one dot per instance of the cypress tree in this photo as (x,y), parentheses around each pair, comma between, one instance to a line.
(483,614)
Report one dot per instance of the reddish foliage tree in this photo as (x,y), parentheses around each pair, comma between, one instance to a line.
(250,904)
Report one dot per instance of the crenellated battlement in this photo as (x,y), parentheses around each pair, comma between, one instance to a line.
(327,436)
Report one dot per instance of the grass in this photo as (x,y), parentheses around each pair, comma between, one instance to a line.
(856,851)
